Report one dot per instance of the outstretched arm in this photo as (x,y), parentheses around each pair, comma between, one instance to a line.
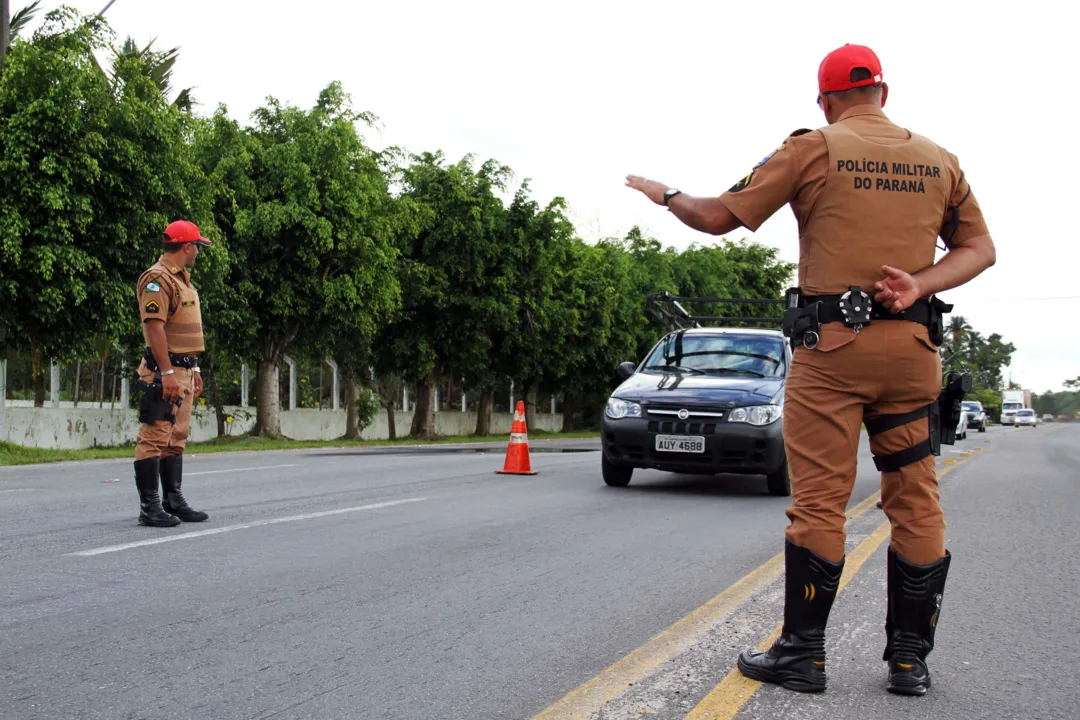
(704,214)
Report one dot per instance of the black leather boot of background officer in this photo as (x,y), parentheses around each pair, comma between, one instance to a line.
(796,660)
(172,471)
(146,481)
(915,593)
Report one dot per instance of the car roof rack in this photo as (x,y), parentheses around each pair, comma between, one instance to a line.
(668,309)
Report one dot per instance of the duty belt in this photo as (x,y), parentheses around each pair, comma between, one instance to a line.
(184,361)
(856,308)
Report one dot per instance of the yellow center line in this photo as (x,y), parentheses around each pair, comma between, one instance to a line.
(735,690)
(614,681)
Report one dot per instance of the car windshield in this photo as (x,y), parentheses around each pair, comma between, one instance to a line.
(972,406)
(728,354)
(1027,413)
(1011,406)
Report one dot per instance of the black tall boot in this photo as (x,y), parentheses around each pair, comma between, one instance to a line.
(146,481)
(796,660)
(172,471)
(915,593)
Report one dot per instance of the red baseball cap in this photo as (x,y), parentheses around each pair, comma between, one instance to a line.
(834,73)
(182,231)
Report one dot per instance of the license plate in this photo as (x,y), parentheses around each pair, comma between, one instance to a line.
(680,443)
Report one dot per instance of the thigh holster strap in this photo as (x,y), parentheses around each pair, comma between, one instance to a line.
(898,460)
(882,423)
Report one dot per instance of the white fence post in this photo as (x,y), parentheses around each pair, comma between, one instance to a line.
(243,385)
(552,404)
(511,397)
(54,383)
(333,382)
(292,381)
(405,399)
(463,403)
(3,399)
(436,398)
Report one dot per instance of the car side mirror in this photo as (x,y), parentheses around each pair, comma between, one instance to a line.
(626,369)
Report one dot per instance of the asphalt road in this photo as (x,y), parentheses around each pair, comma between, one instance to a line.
(420,584)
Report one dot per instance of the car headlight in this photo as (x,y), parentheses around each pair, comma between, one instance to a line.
(617,408)
(757,415)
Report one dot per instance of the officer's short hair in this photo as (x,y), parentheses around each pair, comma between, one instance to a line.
(171,246)
(858,74)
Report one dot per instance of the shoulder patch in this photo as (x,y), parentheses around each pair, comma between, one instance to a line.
(153,287)
(766,158)
(742,183)
(152,307)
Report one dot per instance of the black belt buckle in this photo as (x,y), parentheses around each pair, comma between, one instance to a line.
(856,307)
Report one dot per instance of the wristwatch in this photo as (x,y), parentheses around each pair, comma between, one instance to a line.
(170,371)
(670,193)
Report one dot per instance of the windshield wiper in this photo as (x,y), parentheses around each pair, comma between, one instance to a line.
(735,371)
(677,368)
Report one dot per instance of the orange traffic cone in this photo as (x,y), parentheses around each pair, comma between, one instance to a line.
(517,452)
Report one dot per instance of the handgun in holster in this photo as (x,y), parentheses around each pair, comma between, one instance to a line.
(154,407)
(945,413)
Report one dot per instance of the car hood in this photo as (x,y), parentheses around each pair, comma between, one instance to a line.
(700,390)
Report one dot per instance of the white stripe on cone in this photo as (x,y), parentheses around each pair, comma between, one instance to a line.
(517,438)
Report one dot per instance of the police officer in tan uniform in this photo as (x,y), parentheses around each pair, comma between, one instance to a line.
(169,376)
(871,200)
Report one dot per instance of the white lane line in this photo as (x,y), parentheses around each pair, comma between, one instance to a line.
(246,469)
(18,490)
(254,523)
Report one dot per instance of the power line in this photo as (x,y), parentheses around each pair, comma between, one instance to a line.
(1031,299)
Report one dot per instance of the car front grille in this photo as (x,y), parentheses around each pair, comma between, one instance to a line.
(682,428)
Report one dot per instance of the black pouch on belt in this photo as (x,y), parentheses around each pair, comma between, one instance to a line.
(936,326)
(801,324)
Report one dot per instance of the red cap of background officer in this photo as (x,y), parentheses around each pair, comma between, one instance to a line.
(834,73)
(182,231)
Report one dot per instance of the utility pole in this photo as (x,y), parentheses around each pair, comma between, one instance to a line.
(5,27)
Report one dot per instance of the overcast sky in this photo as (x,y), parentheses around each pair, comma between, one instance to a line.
(575,95)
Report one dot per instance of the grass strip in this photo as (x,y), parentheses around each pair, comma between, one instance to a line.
(11,454)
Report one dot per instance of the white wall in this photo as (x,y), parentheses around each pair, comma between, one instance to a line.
(72,428)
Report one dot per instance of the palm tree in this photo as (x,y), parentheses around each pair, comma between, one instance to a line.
(22,18)
(159,68)
(958,330)
(15,25)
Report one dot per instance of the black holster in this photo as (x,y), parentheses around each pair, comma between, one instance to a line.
(948,407)
(154,407)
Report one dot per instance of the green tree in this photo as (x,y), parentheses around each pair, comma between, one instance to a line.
(538,249)
(606,309)
(158,66)
(308,217)
(90,174)
(450,276)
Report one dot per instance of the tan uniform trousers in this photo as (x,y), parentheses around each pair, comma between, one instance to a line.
(163,438)
(890,367)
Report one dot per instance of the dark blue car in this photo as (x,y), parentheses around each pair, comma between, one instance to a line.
(704,401)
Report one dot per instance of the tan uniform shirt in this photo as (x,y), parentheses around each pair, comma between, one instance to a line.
(911,187)
(165,293)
